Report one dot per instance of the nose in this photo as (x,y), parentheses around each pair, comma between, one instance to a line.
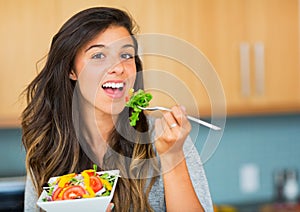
(117,68)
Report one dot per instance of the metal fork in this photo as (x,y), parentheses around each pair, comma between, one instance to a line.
(211,126)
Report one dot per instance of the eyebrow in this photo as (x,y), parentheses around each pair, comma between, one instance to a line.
(95,46)
(103,46)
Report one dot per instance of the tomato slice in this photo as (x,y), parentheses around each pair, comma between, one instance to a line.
(56,194)
(95,183)
(73,192)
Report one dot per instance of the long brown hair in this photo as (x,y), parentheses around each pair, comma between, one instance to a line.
(49,137)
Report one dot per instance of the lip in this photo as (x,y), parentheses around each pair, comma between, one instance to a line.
(114,93)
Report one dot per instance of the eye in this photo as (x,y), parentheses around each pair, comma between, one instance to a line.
(127,56)
(99,55)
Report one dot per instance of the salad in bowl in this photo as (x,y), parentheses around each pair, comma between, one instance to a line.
(87,190)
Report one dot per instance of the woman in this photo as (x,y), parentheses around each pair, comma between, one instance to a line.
(76,117)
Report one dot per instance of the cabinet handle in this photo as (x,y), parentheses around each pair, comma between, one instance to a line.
(245,68)
(259,61)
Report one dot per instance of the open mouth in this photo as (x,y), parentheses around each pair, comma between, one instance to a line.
(114,89)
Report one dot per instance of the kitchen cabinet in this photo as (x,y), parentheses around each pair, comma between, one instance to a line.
(26,28)
(253,46)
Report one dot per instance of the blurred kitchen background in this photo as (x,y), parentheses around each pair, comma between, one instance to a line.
(252,44)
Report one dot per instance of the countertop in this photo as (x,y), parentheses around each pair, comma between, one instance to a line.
(12,194)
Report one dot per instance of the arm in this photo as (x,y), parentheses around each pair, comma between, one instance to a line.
(179,191)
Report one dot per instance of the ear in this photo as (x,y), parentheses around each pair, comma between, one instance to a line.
(73,75)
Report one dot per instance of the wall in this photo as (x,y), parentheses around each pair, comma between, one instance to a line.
(270,142)
(12,154)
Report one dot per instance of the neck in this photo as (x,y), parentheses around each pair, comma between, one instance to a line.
(96,127)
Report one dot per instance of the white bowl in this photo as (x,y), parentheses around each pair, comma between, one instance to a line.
(81,205)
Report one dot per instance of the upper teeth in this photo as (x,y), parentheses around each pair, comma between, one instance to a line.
(113,85)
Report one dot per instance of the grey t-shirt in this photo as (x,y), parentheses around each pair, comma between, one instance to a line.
(156,195)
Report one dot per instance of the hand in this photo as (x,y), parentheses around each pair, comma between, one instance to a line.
(171,132)
(110,207)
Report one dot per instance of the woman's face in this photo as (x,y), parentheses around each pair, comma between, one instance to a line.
(105,70)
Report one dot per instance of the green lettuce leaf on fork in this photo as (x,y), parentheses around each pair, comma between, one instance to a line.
(139,98)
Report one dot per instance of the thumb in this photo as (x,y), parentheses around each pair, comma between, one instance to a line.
(110,207)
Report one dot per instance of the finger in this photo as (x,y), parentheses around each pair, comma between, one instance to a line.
(163,132)
(183,109)
(110,207)
(176,118)
(161,127)
(158,128)
(179,113)
(164,126)
(170,120)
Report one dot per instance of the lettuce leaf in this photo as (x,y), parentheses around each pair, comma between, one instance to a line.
(139,98)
